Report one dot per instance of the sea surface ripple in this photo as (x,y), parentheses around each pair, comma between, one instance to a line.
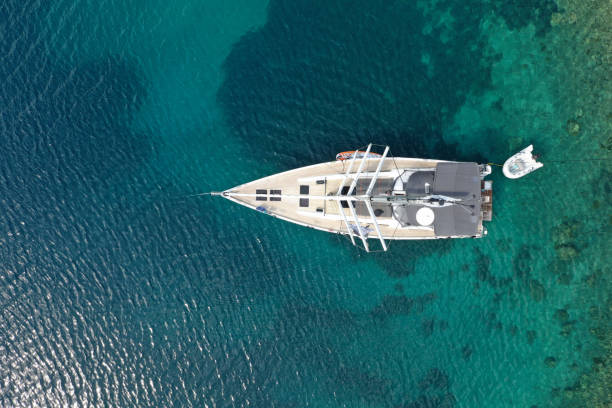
(119,288)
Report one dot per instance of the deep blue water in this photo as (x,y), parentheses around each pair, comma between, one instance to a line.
(117,288)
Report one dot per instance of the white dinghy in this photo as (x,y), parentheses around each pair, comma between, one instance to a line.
(521,164)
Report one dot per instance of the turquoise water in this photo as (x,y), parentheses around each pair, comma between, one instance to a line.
(118,289)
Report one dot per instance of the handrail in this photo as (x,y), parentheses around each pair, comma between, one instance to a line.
(380,163)
(354,182)
(348,227)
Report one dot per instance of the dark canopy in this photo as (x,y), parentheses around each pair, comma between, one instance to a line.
(457,180)
(460,181)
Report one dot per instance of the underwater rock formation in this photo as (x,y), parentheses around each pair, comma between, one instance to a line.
(466,352)
(536,290)
(435,378)
(598,332)
(573,127)
(567,247)
(483,270)
(607,145)
(564,278)
(561,315)
(567,328)
(550,361)
(531,336)
(522,264)
(427,327)
(565,232)
(557,19)
(592,389)
(539,13)
(566,251)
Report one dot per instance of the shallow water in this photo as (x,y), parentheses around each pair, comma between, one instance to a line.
(117,288)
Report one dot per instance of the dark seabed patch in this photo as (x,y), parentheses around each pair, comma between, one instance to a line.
(321,77)
(519,13)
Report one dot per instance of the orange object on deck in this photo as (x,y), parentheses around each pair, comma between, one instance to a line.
(360,154)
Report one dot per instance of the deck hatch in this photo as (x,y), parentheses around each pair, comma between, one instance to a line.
(304,202)
(261,195)
(275,192)
(304,189)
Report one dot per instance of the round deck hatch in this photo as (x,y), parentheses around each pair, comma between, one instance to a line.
(425,216)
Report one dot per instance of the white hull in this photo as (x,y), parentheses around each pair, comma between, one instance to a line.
(370,198)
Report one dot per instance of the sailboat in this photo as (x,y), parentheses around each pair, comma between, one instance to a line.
(372,196)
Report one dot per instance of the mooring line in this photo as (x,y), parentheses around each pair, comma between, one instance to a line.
(563,161)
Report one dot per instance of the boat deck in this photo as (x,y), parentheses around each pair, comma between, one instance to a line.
(303,189)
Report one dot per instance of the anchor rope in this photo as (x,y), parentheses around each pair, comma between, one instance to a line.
(564,161)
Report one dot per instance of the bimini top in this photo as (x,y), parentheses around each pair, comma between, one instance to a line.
(457,180)
(456,188)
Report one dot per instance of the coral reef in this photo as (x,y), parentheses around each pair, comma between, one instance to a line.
(564,236)
(568,242)
(573,127)
(592,389)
